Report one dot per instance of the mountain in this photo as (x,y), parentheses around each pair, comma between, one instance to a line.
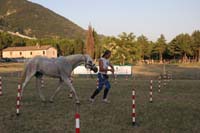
(34,20)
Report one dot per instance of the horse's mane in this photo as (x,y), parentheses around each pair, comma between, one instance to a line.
(71,57)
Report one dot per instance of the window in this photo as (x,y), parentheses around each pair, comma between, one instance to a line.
(20,53)
(43,52)
(31,53)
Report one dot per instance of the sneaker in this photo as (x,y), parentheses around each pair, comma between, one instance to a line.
(105,101)
(91,100)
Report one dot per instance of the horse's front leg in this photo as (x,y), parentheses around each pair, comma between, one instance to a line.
(56,91)
(68,82)
(38,86)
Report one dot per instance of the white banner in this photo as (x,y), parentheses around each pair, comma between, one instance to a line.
(119,70)
(123,70)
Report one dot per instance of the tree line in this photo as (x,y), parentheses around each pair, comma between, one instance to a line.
(126,47)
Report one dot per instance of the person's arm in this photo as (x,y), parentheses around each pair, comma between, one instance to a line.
(112,68)
(103,69)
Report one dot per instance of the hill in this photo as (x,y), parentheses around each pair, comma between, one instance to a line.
(34,20)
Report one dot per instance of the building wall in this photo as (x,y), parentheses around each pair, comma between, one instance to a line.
(51,53)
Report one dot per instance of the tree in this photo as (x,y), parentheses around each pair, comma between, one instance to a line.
(59,53)
(174,50)
(90,42)
(143,47)
(196,44)
(98,45)
(18,42)
(66,46)
(160,47)
(5,41)
(126,47)
(79,46)
(110,43)
(181,45)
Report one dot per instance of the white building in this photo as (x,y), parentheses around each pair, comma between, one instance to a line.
(30,51)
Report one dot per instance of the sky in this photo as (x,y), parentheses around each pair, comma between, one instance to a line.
(141,17)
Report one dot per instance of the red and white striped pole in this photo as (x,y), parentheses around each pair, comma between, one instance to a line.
(18,99)
(151,92)
(42,82)
(126,77)
(164,82)
(159,82)
(71,93)
(133,108)
(1,92)
(115,78)
(77,118)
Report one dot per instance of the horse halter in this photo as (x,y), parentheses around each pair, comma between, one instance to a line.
(89,64)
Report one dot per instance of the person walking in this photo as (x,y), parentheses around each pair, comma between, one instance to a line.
(104,67)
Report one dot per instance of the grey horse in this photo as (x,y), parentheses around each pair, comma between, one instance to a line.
(60,68)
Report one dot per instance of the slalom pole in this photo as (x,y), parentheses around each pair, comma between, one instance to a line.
(77,119)
(159,84)
(134,123)
(18,99)
(1,91)
(133,107)
(151,91)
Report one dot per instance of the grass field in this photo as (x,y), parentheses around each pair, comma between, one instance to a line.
(176,109)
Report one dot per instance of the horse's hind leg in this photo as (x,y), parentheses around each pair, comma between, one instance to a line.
(57,90)
(28,73)
(38,86)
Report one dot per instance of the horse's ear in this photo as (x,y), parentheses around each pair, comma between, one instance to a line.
(86,56)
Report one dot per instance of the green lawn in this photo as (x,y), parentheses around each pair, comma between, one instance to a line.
(175,109)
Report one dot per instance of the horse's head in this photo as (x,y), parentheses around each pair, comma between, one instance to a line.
(89,64)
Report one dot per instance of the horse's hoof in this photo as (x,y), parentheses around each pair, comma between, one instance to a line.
(78,102)
(51,101)
(44,101)
(70,96)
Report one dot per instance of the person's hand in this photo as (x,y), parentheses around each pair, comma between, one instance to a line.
(112,71)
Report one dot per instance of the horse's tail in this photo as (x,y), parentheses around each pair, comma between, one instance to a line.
(29,68)
(23,75)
